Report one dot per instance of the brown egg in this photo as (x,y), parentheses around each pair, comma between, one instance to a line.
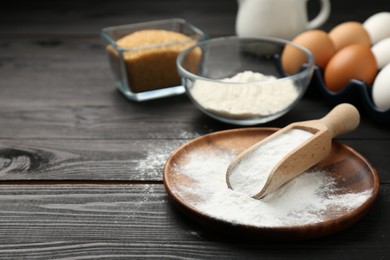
(352,62)
(317,42)
(349,33)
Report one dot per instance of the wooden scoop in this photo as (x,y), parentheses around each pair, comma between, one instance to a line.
(342,119)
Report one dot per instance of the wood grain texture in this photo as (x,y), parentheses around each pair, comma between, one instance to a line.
(66,135)
(77,18)
(139,160)
(164,119)
(88,18)
(120,160)
(79,73)
(109,221)
(77,98)
(99,122)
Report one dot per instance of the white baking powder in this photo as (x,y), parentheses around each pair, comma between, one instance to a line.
(251,173)
(304,200)
(257,98)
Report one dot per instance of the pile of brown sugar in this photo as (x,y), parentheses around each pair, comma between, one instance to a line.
(149,58)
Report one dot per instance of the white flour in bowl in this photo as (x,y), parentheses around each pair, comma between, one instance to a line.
(304,200)
(256,98)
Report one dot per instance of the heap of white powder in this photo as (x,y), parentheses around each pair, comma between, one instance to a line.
(257,98)
(304,200)
(250,174)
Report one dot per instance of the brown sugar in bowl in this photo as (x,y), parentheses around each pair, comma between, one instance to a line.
(143,56)
(150,58)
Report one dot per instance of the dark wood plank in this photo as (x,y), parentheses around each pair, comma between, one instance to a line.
(64,89)
(169,118)
(85,160)
(54,72)
(376,152)
(88,18)
(91,221)
(62,121)
(63,104)
(121,160)
(215,17)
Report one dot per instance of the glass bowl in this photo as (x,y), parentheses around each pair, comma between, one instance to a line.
(148,71)
(242,81)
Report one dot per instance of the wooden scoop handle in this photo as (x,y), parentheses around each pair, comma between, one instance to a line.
(342,119)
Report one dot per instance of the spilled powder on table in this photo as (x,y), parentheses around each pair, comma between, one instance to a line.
(150,167)
(304,200)
(152,164)
(188,135)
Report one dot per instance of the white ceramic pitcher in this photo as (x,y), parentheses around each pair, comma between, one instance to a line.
(277,18)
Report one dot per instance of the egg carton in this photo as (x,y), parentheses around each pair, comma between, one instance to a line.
(356,92)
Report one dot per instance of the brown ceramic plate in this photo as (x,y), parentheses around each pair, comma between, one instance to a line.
(351,170)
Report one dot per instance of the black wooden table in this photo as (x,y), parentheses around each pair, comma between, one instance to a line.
(81,166)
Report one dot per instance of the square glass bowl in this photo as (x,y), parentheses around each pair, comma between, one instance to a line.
(148,71)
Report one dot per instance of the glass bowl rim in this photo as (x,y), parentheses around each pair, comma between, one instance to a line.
(302,74)
(199,34)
